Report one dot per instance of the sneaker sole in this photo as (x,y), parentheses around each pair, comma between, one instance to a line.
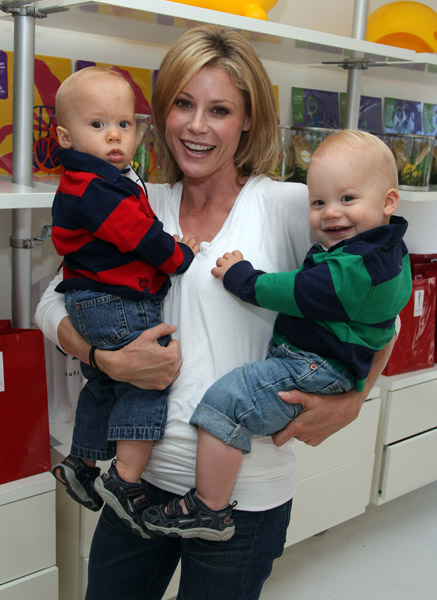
(67,477)
(198,532)
(113,502)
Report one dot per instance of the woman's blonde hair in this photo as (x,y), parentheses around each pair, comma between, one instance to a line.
(213,46)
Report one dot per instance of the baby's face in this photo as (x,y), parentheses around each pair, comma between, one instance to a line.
(102,121)
(346,196)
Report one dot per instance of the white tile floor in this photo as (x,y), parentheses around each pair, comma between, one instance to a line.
(388,553)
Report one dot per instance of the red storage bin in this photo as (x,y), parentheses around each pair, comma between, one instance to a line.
(414,348)
(24,422)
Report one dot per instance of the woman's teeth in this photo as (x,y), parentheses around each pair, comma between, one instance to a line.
(198,147)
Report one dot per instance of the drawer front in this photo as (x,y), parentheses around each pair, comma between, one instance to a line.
(410,411)
(27,536)
(38,586)
(349,444)
(330,498)
(408,465)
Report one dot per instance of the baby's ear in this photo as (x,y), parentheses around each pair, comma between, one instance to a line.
(391,202)
(63,137)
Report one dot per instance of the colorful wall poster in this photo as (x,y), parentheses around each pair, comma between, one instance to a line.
(370,113)
(402,116)
(315,108)
(50,72)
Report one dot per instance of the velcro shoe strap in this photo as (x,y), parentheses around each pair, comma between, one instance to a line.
(190,501)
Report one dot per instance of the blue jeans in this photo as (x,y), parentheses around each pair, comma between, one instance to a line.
(245,402)
(123,565)
(109,410)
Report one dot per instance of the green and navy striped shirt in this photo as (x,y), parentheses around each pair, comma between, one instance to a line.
(342,302)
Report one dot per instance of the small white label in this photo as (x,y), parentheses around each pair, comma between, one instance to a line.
(418,302)
(2,374)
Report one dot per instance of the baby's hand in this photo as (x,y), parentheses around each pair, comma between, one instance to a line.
(225,262)
(189,241)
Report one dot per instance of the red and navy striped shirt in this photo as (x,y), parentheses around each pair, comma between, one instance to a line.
(108,234)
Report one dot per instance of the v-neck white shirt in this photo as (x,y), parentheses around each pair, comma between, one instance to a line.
(217,331)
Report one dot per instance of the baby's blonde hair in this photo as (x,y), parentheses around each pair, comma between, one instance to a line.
(67,89)
(371,145)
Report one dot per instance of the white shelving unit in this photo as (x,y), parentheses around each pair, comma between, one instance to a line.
(406,444)
(27,549)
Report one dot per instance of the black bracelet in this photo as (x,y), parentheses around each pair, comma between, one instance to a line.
(92,360)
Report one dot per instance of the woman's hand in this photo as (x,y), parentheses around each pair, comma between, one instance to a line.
(225,262)
(321,416)
(143,362)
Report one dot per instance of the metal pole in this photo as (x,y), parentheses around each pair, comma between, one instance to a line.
(355,75)
(22,163)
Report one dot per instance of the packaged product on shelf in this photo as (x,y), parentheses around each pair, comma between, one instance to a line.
(304,142)
(413,155)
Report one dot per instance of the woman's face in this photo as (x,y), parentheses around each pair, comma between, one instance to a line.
(204,125)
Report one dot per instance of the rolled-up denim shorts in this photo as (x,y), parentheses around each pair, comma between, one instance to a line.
(245,402)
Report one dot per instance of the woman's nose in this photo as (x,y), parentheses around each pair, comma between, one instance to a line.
(198,122)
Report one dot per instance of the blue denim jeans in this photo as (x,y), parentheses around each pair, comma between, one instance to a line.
(245,402)
(109,410)
(123,565)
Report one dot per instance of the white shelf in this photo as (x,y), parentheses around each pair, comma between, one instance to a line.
(15,195)
(160,22)
(419,196)
(26,487)
(403,380)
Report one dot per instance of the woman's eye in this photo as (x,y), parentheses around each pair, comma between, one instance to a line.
(182,103)
(220,110)
(96,124)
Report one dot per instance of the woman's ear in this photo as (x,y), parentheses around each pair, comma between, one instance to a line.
(63,137)
(391,202)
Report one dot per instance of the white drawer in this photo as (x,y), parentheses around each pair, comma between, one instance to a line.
(38,586)
(408,465)
(349,444)
(410,410)
(27,536)
(330,498)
